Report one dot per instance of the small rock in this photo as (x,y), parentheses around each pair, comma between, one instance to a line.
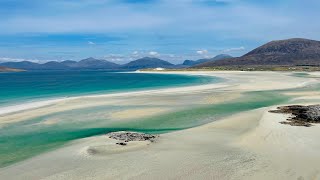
(132,136)
(122,143)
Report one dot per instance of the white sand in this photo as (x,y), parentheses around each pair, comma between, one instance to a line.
(26,106)
(289,152)
(249,145)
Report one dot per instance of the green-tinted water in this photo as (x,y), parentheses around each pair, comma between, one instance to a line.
(22,140)
(28,138)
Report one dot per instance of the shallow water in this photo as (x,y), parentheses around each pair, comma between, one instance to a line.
(25,139)
(28,138)
(34,85)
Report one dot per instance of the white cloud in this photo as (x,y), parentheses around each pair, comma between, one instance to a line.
(7,59)
(135,52)
(202,52)
(153,53)
(91,43)
(236,20)
(157,26)
(115,57)
(234,49)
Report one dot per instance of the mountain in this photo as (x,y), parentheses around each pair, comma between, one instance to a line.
(53,65)
(69,63)
(6,69)
(91,63)
(21,65)
(200,61)
(147,62)
(293,52)
(192,63)
(221,56)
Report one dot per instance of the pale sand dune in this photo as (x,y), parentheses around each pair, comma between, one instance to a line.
(249,145)
(291,152)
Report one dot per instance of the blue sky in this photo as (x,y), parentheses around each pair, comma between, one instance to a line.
(123,30)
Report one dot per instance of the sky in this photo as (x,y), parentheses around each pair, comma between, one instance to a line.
(124,30)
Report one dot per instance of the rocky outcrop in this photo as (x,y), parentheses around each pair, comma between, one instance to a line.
(126,136)
(301,115)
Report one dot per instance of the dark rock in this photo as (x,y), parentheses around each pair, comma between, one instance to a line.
(296,123)
(132,136)
(301,115)
(122,143)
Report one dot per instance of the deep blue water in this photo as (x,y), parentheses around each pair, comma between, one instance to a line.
(34,85)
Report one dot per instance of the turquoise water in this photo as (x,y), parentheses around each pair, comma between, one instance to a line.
(33,85)
(25,139)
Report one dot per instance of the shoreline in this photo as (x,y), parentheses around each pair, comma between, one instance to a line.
(41,103)
(226,81)
(242,146)
(231,148)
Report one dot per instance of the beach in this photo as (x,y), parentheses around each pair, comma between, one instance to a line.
(242,142)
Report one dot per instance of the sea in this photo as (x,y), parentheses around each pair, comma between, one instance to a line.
(19,87)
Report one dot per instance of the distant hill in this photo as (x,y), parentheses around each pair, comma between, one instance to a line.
(21,65)
(53,65)
(6,69)
(221,56)
(200,61)
(147,62)
(69,63)
(293,52)
(290,52)
(89,63)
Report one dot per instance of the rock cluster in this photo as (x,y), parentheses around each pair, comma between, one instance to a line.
(301,115)
(131,136)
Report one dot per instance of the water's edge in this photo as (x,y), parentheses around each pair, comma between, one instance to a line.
(20,147)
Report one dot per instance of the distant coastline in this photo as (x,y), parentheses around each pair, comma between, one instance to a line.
(243,68)
(6,69)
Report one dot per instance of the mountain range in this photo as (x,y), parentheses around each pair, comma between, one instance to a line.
(95,64)
(200,61)
(289,52)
